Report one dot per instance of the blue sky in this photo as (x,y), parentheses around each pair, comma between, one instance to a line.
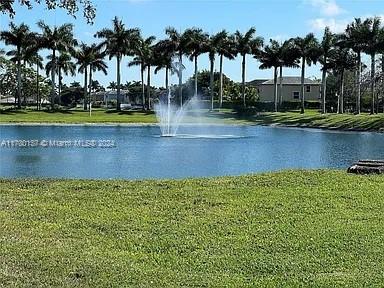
(277,19)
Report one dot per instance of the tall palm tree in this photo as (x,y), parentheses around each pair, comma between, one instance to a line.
(372,47)
(271,57)
(355,38)
(225,48)
(326,47)
(246,44)
(163,54)
(177,43)
(149,62)
(308,50)
(141,54)
(17,36)
(96,63)
(56,39)
(32,57)
(119,42)
(288,59)
(340,60)
(196,45)
(84,57)
(215,42)
(62,64)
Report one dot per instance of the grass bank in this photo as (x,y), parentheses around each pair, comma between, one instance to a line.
(311,118)
(286,229)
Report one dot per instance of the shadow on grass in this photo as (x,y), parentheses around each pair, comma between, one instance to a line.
(130,112)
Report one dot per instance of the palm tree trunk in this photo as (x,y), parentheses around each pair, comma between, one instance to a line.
(118,101)
(211,81)
(373,97)
(358,84)
(22,85)
(243,81)
(302,110)
(149,87)
(275,87)
(281,85)
(59,75)
(221,82)
(85,87)
(166,78)
(18,93)
(37,88)
(142,85)
(90,88)
(195,76)
(53,71)
(323,90)
(341,97)
(181,78)
(382,81)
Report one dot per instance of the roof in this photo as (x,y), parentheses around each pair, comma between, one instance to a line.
(288,80)
(256,82)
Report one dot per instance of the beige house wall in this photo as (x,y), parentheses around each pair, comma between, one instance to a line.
(266,92)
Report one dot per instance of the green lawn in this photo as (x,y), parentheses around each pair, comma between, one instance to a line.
(285,229)
(311,118)
(364,121)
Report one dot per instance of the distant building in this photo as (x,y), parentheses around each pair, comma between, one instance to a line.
(291,89)
(106,96)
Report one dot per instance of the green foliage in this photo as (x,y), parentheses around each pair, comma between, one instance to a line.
(285,229)
(72,7)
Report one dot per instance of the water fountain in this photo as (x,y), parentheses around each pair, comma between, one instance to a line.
(169,115)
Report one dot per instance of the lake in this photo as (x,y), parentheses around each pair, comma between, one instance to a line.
(138,152)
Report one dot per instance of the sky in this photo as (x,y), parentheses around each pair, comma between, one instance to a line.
(273,19)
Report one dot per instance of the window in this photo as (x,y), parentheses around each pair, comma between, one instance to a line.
(296,94)
(308,88)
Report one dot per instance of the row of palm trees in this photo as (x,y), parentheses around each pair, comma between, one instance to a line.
(335,52)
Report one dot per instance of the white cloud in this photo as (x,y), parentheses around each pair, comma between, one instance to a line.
(327,8)
(336,26)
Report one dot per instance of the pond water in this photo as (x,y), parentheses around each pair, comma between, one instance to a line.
(127,152)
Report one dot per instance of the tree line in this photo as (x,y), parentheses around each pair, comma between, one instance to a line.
(336,53)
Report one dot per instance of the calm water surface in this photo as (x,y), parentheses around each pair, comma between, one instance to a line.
(140,153)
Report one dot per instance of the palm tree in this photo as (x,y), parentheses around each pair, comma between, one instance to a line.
(340,60)
(84,58)
(271,57)
(326,46)
(149,61)
(141,54)
(63,64)
(32,57)
(177,43)
(246,44)
(308,50)
(96,63)
(225,48)
(355,38)
(196,45)
(288,59)
(163,54)
(17,36)
(112,85)
(215,42)
(57,39)
(372,47)
(119,42)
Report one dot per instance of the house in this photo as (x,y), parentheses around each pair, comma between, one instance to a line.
(106,96)
(291,89)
